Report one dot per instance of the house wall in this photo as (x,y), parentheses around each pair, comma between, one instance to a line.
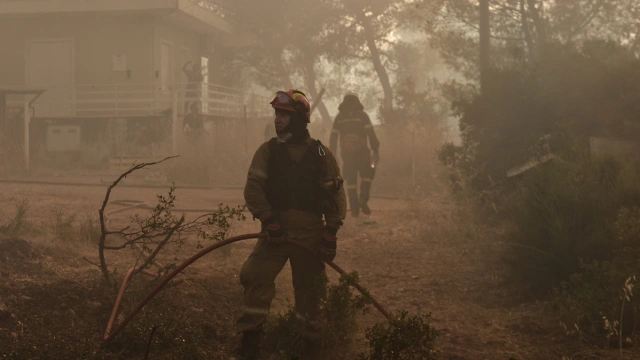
(180,39)
(96,39)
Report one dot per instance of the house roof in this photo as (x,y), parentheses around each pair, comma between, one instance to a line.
(21,90)
(186,13)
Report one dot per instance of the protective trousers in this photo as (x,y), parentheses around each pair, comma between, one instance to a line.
(258,275)
(354,164)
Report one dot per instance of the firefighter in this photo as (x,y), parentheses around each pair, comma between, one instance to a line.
(294,188)
(193,123)
(195,169)
(353,126)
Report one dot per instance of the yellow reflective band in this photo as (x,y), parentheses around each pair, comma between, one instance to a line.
(257,311)
(354,187)
(295,96)
(367,180)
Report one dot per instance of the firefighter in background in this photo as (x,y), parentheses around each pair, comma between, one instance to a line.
(196,166)
(294,188)
(353,127)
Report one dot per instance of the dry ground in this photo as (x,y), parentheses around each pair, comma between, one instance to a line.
(430,255)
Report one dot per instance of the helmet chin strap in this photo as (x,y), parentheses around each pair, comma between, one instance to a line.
(284,137)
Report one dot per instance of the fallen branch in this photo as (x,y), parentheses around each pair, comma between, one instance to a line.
(103,226)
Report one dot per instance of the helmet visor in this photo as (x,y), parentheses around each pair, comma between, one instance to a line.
(281,98)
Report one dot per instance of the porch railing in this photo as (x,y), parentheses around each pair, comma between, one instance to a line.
(128,100)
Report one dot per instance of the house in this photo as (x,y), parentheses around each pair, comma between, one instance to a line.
(111,69)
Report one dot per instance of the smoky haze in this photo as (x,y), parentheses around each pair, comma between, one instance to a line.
(493,194)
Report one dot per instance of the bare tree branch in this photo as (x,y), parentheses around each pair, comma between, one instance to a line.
(103,226)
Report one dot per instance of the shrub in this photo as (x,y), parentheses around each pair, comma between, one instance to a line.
(597,303)
(573,93)
(565,218)
(404,337)
(19,224)
(337,321)
(63,226)
(89,229)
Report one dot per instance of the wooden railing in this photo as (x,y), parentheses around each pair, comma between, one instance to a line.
(130,100)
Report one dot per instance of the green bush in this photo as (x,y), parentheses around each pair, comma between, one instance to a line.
(565,215)
(597,302)
(337,321)
(573,93)
(404,337)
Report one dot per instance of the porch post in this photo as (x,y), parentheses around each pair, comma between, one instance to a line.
(27,121)
(174,124)
(3,109)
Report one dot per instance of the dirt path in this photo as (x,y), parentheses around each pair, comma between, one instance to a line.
(430,256)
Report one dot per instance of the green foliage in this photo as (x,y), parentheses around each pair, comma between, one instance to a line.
(161,221)
(217,225)
(162,227)
(423,109)
(565,217)
(405,337)
(572,93)
(597,302)
(337,321)
(340,310)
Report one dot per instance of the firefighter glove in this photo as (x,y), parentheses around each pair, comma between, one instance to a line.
(333,183)
(328,244)
(375,157)
(273,230)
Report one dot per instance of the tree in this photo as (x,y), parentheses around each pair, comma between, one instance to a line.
(485,42)
(294,40)
(522,29)
(363,33)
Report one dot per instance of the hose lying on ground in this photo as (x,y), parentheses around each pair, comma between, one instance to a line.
(109,335)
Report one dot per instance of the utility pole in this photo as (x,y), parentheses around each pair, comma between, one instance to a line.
(485,43)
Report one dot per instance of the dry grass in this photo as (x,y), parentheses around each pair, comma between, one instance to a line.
(432,254)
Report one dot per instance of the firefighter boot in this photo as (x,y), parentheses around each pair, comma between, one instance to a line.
(365,188)
(353,201)
(250,346)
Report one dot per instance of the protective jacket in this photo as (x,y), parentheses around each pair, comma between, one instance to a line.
(352,127)
(284,182)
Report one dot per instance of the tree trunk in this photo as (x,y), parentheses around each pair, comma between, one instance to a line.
(485,43)
(538,21)
(377,64)
(285,77)
(310,80)
(524,19)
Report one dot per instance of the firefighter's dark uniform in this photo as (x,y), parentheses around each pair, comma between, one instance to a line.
(194,169)
(352,127)
(283,183)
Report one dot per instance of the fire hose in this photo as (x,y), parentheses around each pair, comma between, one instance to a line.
(109,335)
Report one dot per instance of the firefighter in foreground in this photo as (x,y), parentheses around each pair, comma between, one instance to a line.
(293,181)
(353,126)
